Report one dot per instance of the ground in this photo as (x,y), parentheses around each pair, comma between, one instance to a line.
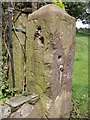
(80,78)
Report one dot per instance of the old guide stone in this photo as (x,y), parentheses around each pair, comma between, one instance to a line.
(50,47)
(50,54)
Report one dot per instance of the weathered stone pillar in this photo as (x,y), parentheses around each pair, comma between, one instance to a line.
(50,54)
(19,45)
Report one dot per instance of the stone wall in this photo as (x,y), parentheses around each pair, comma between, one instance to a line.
(19,107)
(48,41)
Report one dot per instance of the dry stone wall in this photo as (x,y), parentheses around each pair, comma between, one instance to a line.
(19,107)
(49,42)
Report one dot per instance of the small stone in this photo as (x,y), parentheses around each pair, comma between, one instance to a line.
(61,68)
(19,100)
(24,111)
(34,99)
(5,111)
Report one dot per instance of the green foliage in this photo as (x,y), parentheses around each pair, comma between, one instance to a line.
(76,9)
(59,3)
(5,90)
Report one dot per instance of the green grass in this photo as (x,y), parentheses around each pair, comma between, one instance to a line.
(80,78)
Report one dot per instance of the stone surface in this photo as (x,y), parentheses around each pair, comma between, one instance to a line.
(18,47)
(61,106)
(5,111)
(36,112)
(50,55)
(22,112)
(19,100)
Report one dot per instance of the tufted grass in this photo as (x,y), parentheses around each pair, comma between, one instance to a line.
(80,78)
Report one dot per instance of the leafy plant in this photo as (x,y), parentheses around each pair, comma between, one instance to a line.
(5,90)
(59,3)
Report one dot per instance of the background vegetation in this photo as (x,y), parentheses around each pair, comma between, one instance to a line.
(80,77)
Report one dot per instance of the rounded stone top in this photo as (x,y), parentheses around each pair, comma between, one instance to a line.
(50,10)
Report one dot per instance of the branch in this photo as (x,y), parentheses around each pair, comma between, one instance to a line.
(18,39)
(5,41)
